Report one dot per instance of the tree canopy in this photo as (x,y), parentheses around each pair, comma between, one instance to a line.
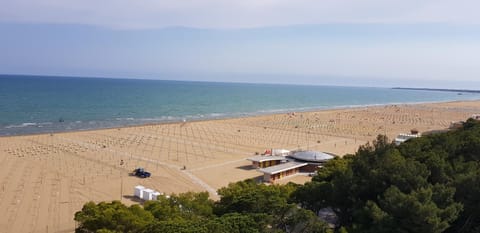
(244,207)
(427,184)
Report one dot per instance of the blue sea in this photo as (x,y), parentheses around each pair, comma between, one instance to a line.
(42,104)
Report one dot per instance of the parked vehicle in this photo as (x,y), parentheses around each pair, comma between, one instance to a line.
(140,172)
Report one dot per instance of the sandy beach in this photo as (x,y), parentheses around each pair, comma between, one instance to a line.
(45,179)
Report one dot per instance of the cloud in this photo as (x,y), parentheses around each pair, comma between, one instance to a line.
(135,14)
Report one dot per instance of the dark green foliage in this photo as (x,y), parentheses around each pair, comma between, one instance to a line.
(302,220)
(112,217)
(244,207)
(429,184)
(413,212)
(272,201)
(177,226)
(250,197)
(236,223)
(187,206)
(229,223)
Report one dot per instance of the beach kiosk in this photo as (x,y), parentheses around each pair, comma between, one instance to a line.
(266,161)
(138,192)
(147,194)
(273,173)
(155,195)
(403,137)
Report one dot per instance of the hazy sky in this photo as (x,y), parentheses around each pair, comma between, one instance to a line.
(342,42)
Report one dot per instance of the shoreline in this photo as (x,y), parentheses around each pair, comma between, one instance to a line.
(437,89)
(239,116)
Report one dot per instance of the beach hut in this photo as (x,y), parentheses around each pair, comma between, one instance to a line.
(456,124)
(147,194)
(403,137)
(155,195)
(138,192)
(329,216)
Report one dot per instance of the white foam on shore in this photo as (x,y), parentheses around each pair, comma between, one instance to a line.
(21,125)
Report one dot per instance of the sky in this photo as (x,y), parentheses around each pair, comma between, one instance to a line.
(411,43)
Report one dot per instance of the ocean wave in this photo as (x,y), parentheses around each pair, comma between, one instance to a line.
(21,125)
(217,114)
(130,120)
(29,124)
(124,118)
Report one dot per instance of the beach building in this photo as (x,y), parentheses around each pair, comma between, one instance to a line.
(329,216)
(403,137)
(155,195)
(312,156)
(314,159)
(138,191)
(273,173)
(279,166)
(277,152)
(266,161)
(456,124)
(146,193)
